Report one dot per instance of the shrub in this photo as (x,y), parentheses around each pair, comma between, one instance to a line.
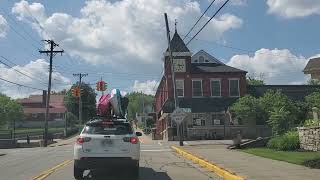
(313,163)
(286,142)
(311,122)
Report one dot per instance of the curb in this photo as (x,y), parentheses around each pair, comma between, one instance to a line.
(208,165)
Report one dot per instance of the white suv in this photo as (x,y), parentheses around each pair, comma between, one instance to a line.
(107,144)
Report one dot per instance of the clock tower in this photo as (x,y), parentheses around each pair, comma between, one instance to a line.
(181,62)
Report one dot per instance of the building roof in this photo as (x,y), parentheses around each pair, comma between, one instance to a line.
(213,67)
(55,100)
(207,57)
(313,64)
(294,92)
(177,44)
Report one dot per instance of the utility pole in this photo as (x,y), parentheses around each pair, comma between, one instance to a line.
(144,117)
(51,53)
(80,75)
(176,104)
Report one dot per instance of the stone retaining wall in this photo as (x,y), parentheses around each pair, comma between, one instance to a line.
(309,138)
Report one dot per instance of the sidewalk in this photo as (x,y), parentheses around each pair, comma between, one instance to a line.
(252,167)
(62,142)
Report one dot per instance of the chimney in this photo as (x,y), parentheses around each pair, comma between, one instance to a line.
(44,97)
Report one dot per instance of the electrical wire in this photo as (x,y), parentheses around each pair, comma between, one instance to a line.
(208,21)
(199,18)
(20,85)
(20,71)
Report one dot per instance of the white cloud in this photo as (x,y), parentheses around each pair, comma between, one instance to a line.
(123,32)
(294,8)
(38,71)
(148,87)
(278,66)
(315,56)
(233,2)
(3,27)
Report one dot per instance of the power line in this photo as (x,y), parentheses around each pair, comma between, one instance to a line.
(199,18)
(20,71)
(243,50)
(21,27)
(21,85)
(22,36)
(208,21)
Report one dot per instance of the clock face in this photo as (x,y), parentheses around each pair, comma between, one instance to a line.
(179,65)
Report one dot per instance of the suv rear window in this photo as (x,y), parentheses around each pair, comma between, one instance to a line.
(108,129)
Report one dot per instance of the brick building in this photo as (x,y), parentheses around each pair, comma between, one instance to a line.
(34,108)
(204,85)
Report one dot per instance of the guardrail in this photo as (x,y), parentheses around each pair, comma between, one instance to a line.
(8,134)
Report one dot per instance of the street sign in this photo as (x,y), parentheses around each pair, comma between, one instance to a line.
(178,115)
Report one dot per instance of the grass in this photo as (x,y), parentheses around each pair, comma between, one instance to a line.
(294,157)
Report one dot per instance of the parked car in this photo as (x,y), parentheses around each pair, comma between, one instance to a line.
(104,144)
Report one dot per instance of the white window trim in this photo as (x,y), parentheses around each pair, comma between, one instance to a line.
(238,87)
(183,86)
(211,87)
(201,87)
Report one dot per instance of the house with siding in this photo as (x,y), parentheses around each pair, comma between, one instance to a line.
(313,68)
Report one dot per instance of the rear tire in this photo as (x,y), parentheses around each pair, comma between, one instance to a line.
(78,173)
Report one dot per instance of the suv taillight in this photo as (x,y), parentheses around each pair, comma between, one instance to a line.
(82,140)
(132,140)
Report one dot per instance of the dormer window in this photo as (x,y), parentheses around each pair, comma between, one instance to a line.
(201,59)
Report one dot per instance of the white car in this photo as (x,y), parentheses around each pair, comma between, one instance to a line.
(104,144)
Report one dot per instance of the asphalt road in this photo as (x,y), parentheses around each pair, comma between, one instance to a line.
(158,162)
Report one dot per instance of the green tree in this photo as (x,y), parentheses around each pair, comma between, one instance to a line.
(301,113)
(255,82)
(253,79)
(9,110)
(247,109)
(71,119)
(313,82)
(88,97)
(135,103)
(279,120)
(313,100)
(276,102)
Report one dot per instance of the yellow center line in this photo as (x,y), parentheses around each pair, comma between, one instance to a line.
(46,173)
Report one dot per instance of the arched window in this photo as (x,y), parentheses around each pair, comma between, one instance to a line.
(201,59)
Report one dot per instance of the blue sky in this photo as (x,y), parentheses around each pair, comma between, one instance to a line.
(123,41)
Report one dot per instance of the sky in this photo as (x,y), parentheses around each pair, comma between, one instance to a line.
(122,41)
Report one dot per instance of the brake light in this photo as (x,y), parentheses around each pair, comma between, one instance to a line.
(134,140)
(82,140)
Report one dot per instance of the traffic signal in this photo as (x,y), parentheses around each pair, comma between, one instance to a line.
(101,86)
(76,92)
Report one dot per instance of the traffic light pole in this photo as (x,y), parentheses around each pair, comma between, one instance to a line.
(81,75)
(52,53)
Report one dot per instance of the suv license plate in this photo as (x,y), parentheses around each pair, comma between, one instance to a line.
(106,142)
